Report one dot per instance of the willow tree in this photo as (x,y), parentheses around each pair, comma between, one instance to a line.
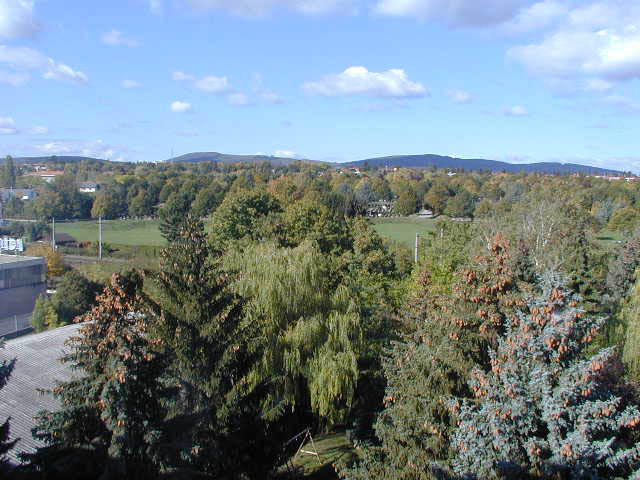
(307,333)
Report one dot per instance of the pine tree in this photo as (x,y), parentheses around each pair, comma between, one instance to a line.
(630,315)
(543,409)
(200,321)
(6,367)
(117,403)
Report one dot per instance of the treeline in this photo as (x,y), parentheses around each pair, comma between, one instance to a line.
(155,190)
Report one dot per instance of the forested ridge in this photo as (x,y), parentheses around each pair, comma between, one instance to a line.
(509,350)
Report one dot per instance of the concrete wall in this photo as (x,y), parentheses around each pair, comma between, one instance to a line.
(19,300)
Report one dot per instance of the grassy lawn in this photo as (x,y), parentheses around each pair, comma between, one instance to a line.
(123,232)
(609,240)
(332,448)
(403,229)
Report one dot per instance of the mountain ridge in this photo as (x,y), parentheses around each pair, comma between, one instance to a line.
(402,161)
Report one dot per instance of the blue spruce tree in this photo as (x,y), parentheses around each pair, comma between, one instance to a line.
(544,409)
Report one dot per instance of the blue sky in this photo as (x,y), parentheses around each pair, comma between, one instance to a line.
(515,80)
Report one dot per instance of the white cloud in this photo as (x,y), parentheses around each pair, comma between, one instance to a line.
(38,130)
(258,8)
(459,96)
(115,38)
(516,111)
(285,154)
(22,57)
(238,99)
(456,12)
(393,83)
(595,45)
(537,16)
(88,148)
(16,18)
(25,58)
(7,126)
(180,76)
(130,84)
(271,97)
(622,103)
(60,71)
(213,84)
(15,79)
(180,107)
(597,85)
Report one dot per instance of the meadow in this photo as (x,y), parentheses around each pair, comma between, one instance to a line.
(117,232)
(403,229)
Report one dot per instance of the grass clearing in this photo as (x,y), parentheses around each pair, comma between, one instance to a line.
(122,232)
(332,448)
(403,229)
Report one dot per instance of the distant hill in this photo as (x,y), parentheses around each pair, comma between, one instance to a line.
(439,161)
(407,161)
(226,158)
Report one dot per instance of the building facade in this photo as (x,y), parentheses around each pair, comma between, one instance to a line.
(22,281)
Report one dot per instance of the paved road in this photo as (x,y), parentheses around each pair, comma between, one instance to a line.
(8,325)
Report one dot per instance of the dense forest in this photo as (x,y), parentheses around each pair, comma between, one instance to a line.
(510,350)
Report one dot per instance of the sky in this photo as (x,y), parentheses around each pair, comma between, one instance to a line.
(334,80)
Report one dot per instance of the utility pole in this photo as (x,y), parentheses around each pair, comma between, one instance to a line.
(53,233)
(99,238)
(417,246)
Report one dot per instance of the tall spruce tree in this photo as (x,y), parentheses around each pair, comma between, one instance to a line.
(115,404)
(543,409)
(200,321)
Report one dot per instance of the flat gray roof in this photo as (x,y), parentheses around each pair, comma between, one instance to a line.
(17,260)
(36,366)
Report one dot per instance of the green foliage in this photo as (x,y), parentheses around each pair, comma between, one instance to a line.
(240,215)
(407,203)
(624,220)
(8,173)
(307,330)
(173,215)
(630,315)
(461,205)
(44,315)
(75,295)
(309,220)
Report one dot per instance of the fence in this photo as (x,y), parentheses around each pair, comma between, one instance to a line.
(15,325)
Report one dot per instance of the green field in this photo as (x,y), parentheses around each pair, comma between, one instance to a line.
(118,232)
(333,448)
(403,230)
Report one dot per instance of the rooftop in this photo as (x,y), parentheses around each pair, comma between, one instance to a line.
(6,259)
(36,367)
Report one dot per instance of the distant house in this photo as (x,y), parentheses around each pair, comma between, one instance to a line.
(381,208)
(48,175)
(25,194)
(88,187)
(424,213)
